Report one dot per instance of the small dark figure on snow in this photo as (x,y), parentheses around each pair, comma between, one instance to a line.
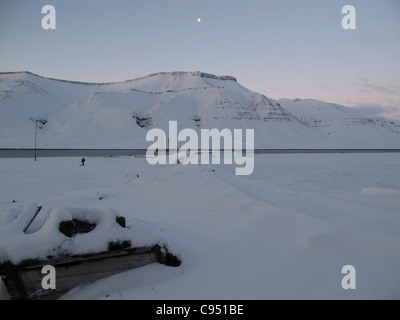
(83,161)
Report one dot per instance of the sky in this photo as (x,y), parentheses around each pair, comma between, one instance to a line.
(280,48)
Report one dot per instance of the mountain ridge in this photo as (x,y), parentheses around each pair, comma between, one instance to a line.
(173,73)
(118,114)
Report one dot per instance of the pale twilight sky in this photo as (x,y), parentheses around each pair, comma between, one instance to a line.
(281,48)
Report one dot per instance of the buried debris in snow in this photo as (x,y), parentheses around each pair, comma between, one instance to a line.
(83,246)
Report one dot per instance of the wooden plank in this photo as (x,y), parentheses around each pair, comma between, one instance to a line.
(24,281)
(33,218)
(76,259)
(71,276)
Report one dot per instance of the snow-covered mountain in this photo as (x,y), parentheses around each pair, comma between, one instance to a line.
(118,115)
(346,126)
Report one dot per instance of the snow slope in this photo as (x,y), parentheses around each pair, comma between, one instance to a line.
(285,231)
(118,115)
(344,124)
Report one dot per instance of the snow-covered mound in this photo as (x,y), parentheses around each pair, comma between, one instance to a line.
(44,239)
(74,114)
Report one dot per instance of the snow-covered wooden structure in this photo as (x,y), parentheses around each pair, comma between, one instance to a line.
(23,277)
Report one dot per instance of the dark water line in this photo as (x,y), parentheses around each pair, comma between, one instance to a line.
(30,153)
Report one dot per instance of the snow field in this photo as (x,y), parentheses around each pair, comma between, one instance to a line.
(285,231)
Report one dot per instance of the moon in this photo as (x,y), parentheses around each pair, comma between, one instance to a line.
(198,19)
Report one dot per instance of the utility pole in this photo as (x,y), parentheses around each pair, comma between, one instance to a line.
(35,121)
(35,137)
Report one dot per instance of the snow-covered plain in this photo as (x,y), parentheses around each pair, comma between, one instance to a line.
(285,231)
